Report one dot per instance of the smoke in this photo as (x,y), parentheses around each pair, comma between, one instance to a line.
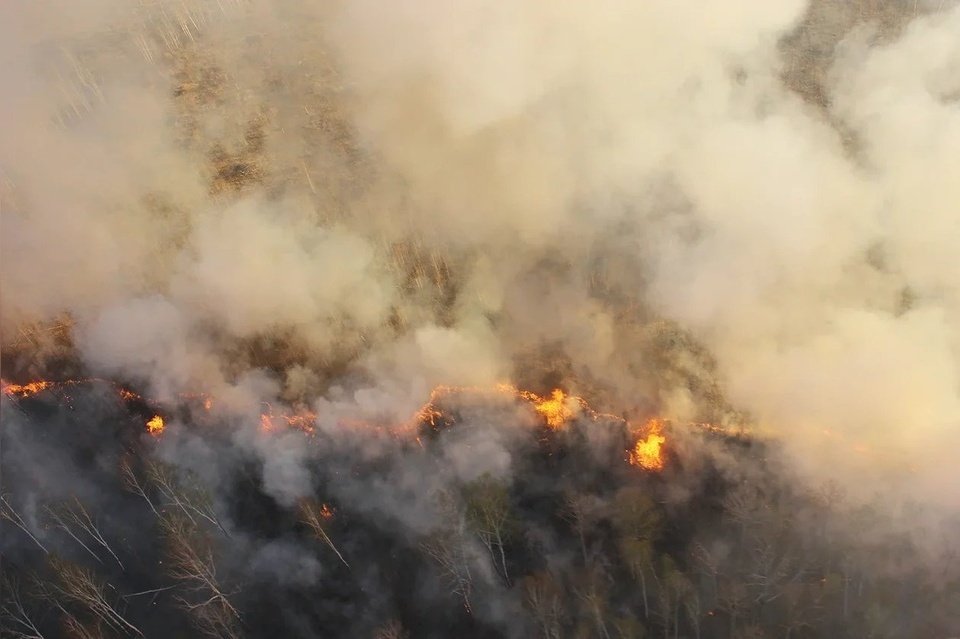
(741,212)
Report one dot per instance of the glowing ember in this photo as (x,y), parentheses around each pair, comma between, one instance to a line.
(303,420)
(647,453)
(155,426)
(326,511)
(128,395)
(266,423)
(429,414)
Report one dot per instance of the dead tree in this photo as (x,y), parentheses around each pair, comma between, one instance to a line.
(79,586)
(450,547)
(393,629)
(314,516)
(75,521)
(590,592)
(132,483)
(578,512)
(744,508)
(192,503)
(61,522)
(8,513)
(544,602)
(771,571)
(638,523)
(77,629)
(447,549)
(191,562)
(16,618)
(488,514)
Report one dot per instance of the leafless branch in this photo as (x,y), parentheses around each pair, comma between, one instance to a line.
(79,516)
(17,620)
(147,592)
(543,600)
(163,478)
(10,514)
(192,563)
(312,515)
(393,629)
(132,483)
(62,524)
(488,513)
(79,585)
(448,549)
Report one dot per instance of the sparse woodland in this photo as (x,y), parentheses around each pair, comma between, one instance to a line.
(575,542)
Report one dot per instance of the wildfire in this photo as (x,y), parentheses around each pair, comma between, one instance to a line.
(555,409)
(26,390)
(266,423)
(155,425)
(33,388)
(303,420)
(647,453)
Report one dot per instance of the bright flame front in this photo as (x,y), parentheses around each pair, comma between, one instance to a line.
(647,453)
(555,409)
(155,425)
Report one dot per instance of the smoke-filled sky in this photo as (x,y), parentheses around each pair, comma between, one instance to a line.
(742,211)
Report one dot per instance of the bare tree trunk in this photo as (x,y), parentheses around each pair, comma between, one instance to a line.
(643,590)
(448,552)
(62,525)
(17,620)
(503,559)
(312,516)
(81,518)
(165,482)
(132,484)
(7,512)
(191,562)
(79,585)
(391,630)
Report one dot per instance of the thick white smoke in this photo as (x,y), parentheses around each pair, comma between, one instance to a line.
(193,181)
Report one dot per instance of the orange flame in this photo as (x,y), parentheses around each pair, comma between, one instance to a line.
(326,511)
(303,420)
(32,388)
(155,425)
(26,390)
(647,453)
(555,409)
(266,423)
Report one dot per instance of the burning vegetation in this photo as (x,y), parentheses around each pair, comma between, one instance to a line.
(556,411)
(155,425)
(648,452)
